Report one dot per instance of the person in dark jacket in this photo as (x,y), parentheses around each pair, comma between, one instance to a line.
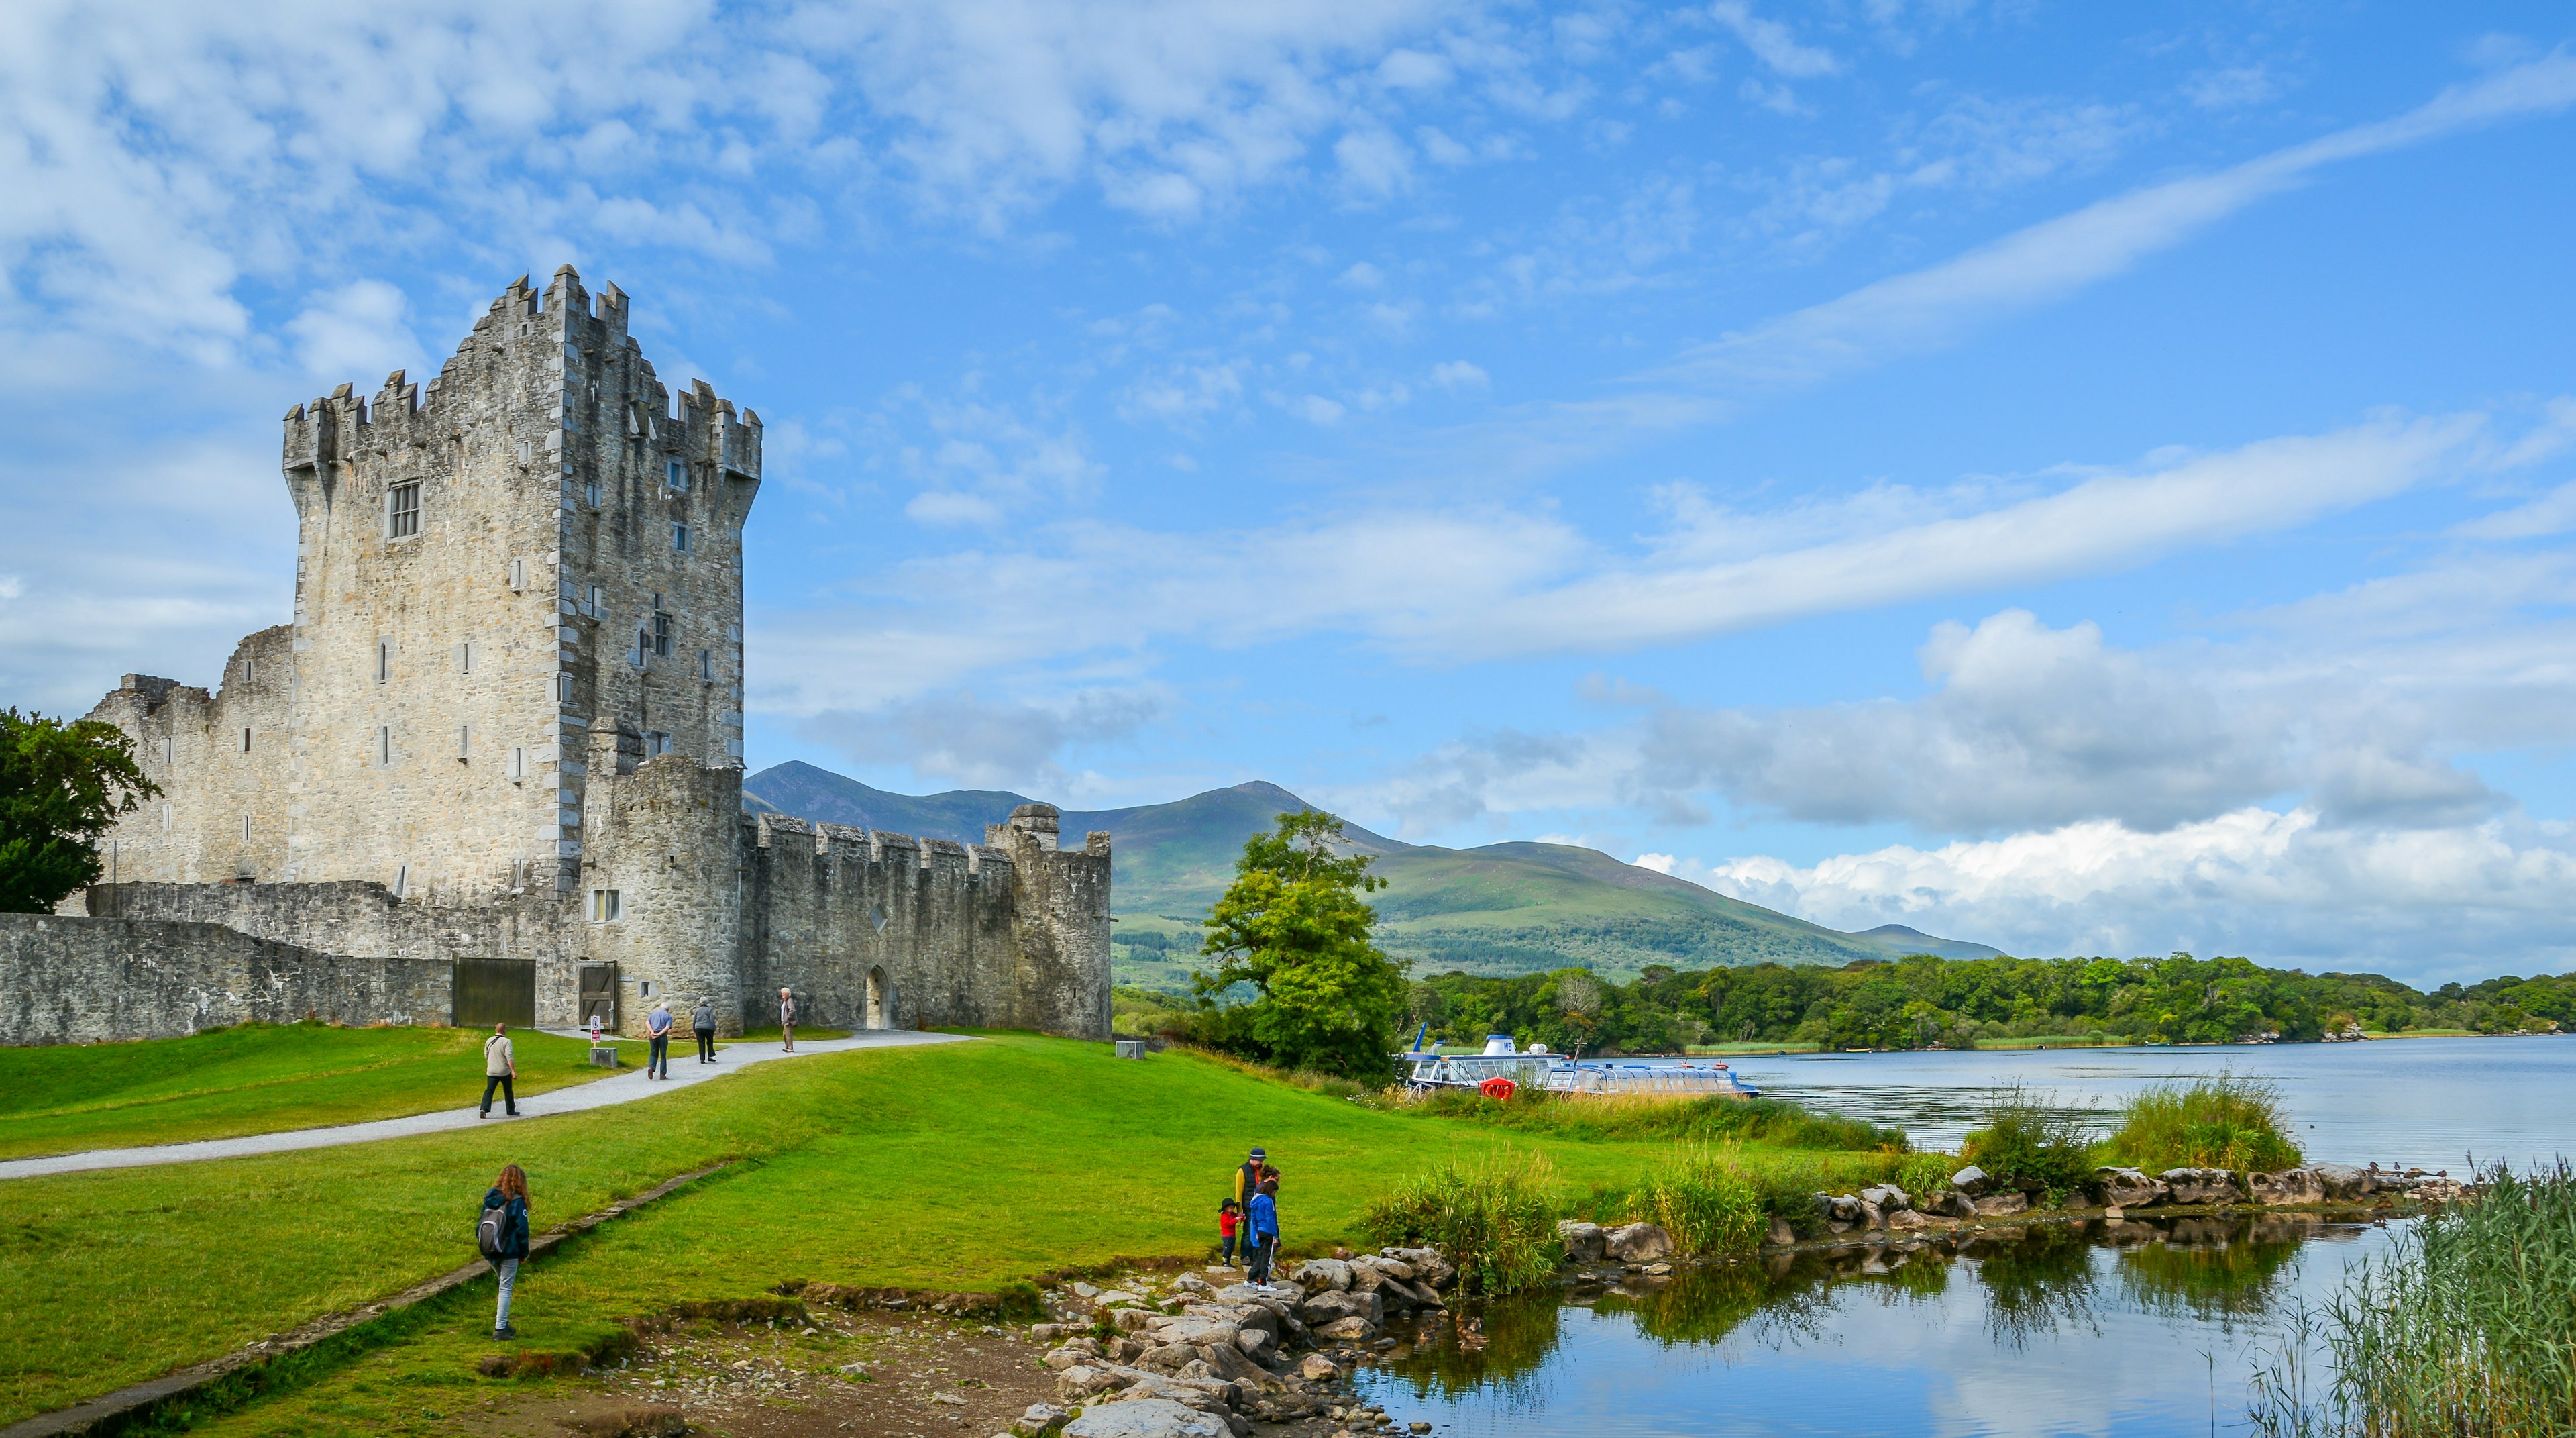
(509,1194)
(702,1022)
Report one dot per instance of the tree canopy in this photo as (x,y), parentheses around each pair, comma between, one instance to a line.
(1295,927)
(62,784)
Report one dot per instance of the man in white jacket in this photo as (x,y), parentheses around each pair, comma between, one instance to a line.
(500,1065)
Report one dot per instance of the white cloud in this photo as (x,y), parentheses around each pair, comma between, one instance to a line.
(1459,375)
(2280,885)
(357,329)
(956,738)
(1773,43)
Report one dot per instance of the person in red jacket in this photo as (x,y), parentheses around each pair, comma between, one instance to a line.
(1227,1217)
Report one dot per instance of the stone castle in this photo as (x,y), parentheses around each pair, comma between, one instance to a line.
(504,731)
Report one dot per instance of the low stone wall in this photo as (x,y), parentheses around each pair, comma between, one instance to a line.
(94,980)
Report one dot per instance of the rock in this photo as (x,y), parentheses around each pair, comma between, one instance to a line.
(1117,1296)
(1905,1218)
(1256,1345)
(1999,1205)
(1080,1381)
(1195,1328)
(2128,1187)
(1947,1203)
(1192,1283)
(1887,1196)
(1322,1273)
(1225,1360)
(1325,1308)
(2343,1181)
(1417,1426)
(1781,1235)
(1871,1215)
(1352,1329)
(1638,1243)
(2200,1185)
(1147,1418)
(1040,1420)
(1971,1181)
(1316,1368)
(1583,1242)
(949,1400)
(1133,1320)
(1658,1270)
(2289,1186)
(1085,1290)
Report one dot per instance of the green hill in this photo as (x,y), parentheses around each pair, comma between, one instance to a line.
(1497,909)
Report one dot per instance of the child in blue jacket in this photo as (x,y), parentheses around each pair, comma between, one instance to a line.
(1264,1244)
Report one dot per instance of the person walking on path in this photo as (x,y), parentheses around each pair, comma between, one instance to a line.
(1264,1213)
(787,1019)
(502,1234)
(500,1066)
(657,1026)
(702,1022)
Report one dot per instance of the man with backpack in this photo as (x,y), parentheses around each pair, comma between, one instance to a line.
(500,1066)
(502,1235)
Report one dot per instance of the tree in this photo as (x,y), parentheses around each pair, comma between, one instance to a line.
(1293,925)
(62,784)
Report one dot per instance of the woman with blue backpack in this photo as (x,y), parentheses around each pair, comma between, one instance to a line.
(502,1234)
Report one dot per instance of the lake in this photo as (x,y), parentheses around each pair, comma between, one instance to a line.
(2137,1328)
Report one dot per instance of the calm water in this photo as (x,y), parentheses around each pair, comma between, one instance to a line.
(2133,1329)
(2150,1330)
(2421,1102)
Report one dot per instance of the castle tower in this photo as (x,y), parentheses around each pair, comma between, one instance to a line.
(520,577)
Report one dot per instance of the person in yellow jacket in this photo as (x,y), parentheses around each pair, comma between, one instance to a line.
(1247,1180)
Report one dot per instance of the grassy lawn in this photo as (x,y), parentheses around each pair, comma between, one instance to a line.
(957,1166)
(254,1078)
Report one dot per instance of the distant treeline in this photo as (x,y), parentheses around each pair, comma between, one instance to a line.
(1925,1002)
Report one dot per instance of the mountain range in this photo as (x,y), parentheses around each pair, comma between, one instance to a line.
(1496,909)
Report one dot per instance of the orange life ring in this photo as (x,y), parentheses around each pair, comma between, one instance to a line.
(1501,1088)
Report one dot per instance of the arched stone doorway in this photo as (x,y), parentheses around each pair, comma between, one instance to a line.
(876,1012)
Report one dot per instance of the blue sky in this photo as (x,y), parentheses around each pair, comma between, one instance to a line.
(2081,484)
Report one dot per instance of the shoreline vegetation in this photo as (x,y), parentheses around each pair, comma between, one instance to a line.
(1929,1003)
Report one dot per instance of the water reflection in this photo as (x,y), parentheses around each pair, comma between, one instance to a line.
(2107,1327)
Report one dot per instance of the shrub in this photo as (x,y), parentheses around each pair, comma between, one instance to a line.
(2222,1122)
(1922,1173)
(2464,1327)
(1707,1202)
(1495,1216)
(1599,1117)
(2031,1144)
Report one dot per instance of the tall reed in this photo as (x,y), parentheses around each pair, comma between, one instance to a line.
(1705,1201)
(1494,1215)
(2466,1327)
(2218,1122)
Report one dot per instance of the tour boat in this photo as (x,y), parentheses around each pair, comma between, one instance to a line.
(1537,1068)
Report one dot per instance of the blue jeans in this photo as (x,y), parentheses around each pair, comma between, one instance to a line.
(659,1060)
(509,1268)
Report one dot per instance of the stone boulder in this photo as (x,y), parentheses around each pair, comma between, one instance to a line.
(2201,1185)
(1316,1368)
(1838,1207)
(1257,1345)
(1947,1203)
(2128,1188)
(1971,1181)
(1147,1418)
(2001,1205)
(1431,1268)
(1040,1421)
(1781,1234)
(1887,1197)
(1871,1215)
(1330,1307)
(2289,1186)
(1638,1243)
(2342,1181)
(1353,1329)
(1321,1273)
(1584,1242)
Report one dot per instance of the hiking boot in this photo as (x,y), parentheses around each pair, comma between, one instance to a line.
(504,1333)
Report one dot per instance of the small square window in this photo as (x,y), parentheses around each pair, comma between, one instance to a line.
(662,636)
(676,475)
(604,907)
(402,511)
(656,743)
(680,538)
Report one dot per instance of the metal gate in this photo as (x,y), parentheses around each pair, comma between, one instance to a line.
(484,992)
(599,995)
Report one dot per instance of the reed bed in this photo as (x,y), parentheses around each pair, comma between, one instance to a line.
(2467,1327)
(1494,1215)
(2218,1122)
(1706,1119)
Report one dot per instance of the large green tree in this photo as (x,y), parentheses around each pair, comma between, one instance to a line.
(1294,925)
(62,784)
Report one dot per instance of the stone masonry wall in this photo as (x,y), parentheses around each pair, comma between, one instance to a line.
(221,760)
(90,980)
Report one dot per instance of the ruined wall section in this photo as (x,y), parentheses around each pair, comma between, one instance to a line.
(354,917)
(662,840)
(826,907)
(92,980)
(1059,925)
(221,760)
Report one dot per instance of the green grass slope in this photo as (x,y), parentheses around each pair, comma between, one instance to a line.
(955,1166)
(1499,909)
(254,1078)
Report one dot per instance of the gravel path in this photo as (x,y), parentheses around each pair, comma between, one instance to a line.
(622,1087)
